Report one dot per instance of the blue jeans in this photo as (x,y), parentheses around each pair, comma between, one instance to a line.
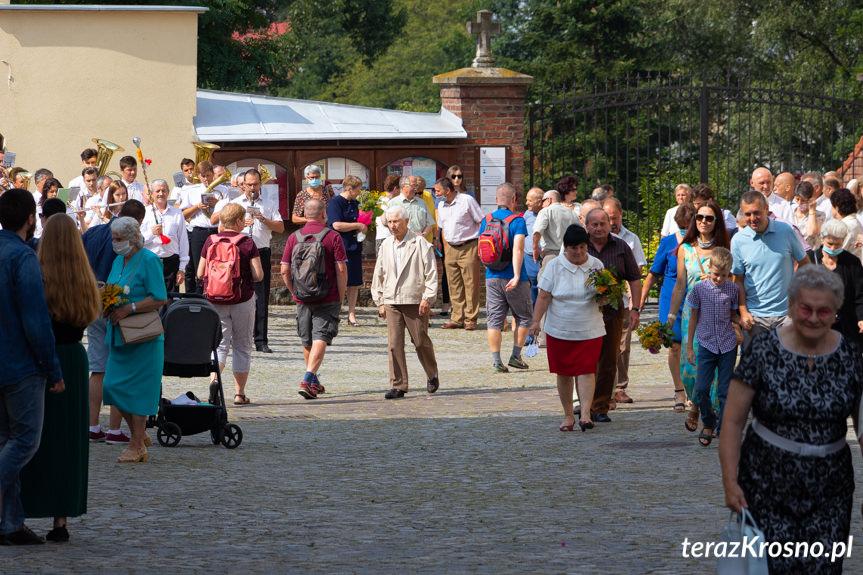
(22,408)
(532,269)
(710,364)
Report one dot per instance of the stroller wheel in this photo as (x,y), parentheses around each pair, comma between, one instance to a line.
(233,436)
(217,434)
(168,434)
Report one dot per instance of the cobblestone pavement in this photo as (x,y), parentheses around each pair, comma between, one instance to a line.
(473,479)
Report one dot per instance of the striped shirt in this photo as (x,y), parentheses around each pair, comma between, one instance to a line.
(714,330)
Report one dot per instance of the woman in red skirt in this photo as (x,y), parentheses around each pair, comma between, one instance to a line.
(573,327)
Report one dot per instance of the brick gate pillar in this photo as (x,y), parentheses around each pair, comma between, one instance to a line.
(490,103)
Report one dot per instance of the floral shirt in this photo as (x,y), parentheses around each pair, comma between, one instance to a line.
(304,196)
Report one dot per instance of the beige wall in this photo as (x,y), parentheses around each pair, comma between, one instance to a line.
(107,74)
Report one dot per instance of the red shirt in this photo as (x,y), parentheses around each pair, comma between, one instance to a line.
(335,252)
(248,251)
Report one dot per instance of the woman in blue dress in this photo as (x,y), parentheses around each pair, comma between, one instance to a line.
(665,266)
(133,376)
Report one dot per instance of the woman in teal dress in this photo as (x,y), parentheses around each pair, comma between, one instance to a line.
(54,482)
(706,231)
(133,376)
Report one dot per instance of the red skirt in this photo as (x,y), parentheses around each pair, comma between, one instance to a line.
(572,358)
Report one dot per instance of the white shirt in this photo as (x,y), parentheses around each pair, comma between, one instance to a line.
(176,194)
(573,314)
(76,182)
(824,206)
(459,221)
(191,196)
(259,231)
(399,250)
(669,226)
(382,230)
(551,223)
(173,226)
(135,191)
(634,244)
(781,209)
(730,221)
(94,207)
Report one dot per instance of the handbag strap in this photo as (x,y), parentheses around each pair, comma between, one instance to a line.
(128,279)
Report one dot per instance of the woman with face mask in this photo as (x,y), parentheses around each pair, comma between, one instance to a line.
(832,255)
(314,188)
(133,376)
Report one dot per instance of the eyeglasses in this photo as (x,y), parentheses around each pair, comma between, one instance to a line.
(705,217)
(457,176)
(822,313)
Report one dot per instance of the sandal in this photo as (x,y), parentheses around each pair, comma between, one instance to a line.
(679,407)
(691,422)
(242,401)
(706,436)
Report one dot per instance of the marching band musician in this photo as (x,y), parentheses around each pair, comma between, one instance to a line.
(163,220)
(88,159)
(262,219)
(187,166)
(86,212)
(195,211)
(134,189)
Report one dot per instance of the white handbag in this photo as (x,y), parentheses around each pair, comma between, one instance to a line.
(738,536)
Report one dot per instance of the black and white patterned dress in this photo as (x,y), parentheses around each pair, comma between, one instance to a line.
(792,497)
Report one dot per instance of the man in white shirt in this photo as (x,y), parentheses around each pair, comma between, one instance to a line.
(41,175)
(551,223)
(187,166)
(614,209)
(762,181)
(134,189)
(163,220)
(459,217)
(88,159)
(262,219)
(84,210)
(195,211)
(822,202)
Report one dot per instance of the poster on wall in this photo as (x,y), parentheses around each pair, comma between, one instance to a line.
(492,173)
(357,169)
(335,169)
(425,168)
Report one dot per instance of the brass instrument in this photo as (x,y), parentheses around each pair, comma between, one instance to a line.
(105,150)
(14,172)
(266,176)
(203,151)
(225,177)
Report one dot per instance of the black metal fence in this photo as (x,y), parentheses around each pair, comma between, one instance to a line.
(645,135)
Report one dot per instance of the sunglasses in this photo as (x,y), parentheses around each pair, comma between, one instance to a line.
(457,176)
(704,217)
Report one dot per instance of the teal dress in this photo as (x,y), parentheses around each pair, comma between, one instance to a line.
(133,376)
(693,276)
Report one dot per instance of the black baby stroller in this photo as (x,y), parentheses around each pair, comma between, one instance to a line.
(192,335)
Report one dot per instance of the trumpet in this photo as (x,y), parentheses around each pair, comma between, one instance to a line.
(225,177)
(266,176)
(203,151)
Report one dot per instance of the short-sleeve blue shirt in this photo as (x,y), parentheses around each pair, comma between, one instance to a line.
(516,227)
(767,262)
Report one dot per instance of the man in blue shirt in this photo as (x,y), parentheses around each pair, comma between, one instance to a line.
(99,247)
(765,253)
(508,289)
(27,341)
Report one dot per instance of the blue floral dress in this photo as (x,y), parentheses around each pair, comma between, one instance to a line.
(693,276)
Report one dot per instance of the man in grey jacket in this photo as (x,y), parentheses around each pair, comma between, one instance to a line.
(403,287)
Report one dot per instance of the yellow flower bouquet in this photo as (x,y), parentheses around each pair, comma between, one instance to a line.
(654,336)
(112,296)
(609,291)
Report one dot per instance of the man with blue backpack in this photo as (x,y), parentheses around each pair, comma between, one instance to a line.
(507,288)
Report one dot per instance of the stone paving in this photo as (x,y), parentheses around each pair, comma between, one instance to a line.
(473,479)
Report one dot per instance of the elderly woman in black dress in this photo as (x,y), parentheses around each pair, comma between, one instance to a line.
(793,470)
(832,255)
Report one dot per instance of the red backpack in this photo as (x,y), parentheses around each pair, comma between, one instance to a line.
(222,273)
(495,249)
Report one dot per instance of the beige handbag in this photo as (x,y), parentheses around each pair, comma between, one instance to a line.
(140,327)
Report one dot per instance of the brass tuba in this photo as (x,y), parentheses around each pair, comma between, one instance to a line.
(203,151)
(105,150)
(225,177)
(266,176)
(14,172)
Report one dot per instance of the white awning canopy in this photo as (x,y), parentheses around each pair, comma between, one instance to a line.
(232,117)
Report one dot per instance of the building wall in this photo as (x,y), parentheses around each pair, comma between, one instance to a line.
(111,74)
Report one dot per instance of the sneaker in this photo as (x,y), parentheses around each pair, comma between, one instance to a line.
(116,438)
(23,536)
(500,368)
(318,388)
(517,363)
(307,391)
(100,436)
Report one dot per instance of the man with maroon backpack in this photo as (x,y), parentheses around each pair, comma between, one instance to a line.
(314,255)
(507,288)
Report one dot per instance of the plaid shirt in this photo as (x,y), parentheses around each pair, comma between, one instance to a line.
(714,330)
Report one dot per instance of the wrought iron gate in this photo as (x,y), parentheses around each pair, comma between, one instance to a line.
(645,135)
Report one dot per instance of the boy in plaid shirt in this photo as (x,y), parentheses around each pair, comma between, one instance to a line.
(714,309)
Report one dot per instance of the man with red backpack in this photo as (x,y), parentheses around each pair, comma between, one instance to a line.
(315,269)
(507,288)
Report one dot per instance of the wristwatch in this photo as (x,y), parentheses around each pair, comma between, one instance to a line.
(134,307)
(638,309)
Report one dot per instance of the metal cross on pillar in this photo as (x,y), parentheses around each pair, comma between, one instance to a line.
(483,29)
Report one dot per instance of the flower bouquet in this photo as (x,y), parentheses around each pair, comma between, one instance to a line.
(609,291)
(369,208)
(112,296)
(654,336)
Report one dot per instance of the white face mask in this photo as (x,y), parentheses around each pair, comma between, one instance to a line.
(122,248)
